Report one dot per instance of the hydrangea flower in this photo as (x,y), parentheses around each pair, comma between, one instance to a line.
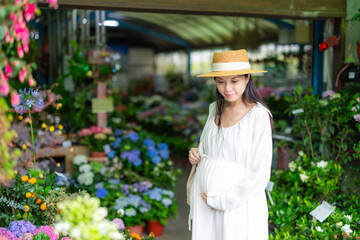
(125,189)
(101,192)
(170,193)
(155,159)
(26,236)
(111,154)
(164,153)
(114,181)
(49,230)
(116,143)
(149,143)
(28,100)
(85,168)
(163,146)
(130,212)
(118,132)
(21,227)
(86,178)
(134,200)
(144,186)
(133,137)
(80,159)
(121,203)
(152,152)
(8,234)
(119,223)
(99,185)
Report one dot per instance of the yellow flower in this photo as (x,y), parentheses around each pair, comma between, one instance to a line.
(24,178)
(20,117)
(32,180)
(58,164)
(60,126)
(43,125)
(24,146)
(41,175)
(51,128)
(100,136)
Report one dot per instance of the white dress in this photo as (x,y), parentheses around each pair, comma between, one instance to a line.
(234,169)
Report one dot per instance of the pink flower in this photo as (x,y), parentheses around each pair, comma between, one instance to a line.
(30,12)
(8,70)
(49,231)
(25,35)
(26,47)
(96,129)
(4,89)
(20,51)
(53,3)
(85,132)
(17,2)
(12,16)
(15,99)
(31,80)
(357,117)
(22,74)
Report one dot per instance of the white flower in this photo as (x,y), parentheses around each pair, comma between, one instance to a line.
(358,99)
(303,177)
(121,212)
(301,153)
(319,229)
(322,164)
(80,159)
(85,168)
(348,217)
(100,213)
(346,229)
(292,166)
(86,178)
(103,228)
(116,236)
(75,233)
(299,168)
(339,224)
(354,109)
(62,227)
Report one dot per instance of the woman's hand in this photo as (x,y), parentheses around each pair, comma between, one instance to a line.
(194,156)
(204,197)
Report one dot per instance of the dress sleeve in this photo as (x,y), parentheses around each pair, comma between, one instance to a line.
(257,174)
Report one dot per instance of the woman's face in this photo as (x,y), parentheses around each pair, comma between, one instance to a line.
(232,87)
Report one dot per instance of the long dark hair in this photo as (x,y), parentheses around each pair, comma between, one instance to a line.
(250,96)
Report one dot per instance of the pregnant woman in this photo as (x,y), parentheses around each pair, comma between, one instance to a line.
(233,160)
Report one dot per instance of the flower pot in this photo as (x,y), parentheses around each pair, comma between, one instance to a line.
(155,227)
(138,229)
(97,154)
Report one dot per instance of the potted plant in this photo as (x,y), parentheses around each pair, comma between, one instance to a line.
(95,138)
(163,206)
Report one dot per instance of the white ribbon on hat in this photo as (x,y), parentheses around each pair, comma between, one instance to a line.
(231,66)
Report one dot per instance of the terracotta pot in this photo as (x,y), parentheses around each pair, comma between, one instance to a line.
(358,49)
(97,154)
(155,227)
(138,229)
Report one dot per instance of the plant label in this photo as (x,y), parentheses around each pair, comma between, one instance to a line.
(297,111)
(269,186)
(351,75)
(107,148)
(66,144)
(322,211)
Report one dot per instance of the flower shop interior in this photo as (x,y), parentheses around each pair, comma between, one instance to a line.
(100,104)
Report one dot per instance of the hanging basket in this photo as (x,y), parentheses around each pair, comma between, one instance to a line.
(155,227)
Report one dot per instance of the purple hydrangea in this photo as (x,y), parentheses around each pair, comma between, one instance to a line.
(101,192)
(133,137)
(118,132)
(28,100)
(144,186)
(21,227)
(125,189)
(119,223)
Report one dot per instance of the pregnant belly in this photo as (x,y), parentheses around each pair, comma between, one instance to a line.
(218,175)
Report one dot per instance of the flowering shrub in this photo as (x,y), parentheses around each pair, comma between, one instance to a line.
(300,190)
(95,137)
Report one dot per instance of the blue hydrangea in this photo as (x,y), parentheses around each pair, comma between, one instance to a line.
(164,153)
(167,202)
(170,193)
(163,146)
(111,154)
(156,159)
(144,186)
(133,137)
(145,204)
(121,203)
(99,185)
(61,180)
(116,143)
(125,189)
(152,152)
(114,181)
(149,143)
(143,209)
(154,194)
(134,200)
(130,212)
(118,132)
(101,192)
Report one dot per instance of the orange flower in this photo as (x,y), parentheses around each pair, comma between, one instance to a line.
(151,234)
(43,206)
(24,178)
(27,208)
(59,211)
(28,195)
(32,180)
(33,195)
(38,201)
(134,235)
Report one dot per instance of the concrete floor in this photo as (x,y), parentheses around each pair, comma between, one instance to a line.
(178,229)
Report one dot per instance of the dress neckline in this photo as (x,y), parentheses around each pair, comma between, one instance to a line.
(248,113)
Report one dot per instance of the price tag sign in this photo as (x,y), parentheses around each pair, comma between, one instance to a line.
(351,75)
(67,144)
(269,186)
(288,130)
(297,111)
(102,105)
(322,211)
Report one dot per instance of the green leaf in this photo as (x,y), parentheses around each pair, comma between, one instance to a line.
(41,236)
(2,30)
(2,14)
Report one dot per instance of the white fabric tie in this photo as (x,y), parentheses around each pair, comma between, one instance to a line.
(231,66)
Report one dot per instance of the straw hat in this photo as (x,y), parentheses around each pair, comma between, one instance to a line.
(230,63)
